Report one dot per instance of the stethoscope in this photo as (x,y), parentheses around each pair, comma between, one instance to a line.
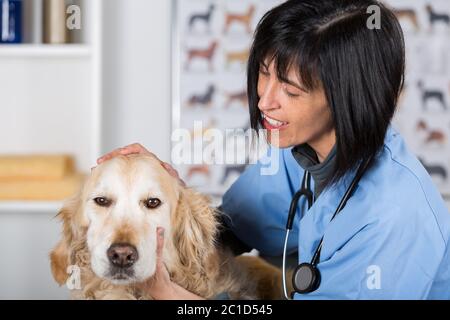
(306,277)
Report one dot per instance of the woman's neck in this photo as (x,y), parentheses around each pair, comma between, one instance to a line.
(323,146)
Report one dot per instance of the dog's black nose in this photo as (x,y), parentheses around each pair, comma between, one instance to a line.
(122,255)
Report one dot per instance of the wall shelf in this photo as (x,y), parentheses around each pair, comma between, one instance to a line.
(30,206)
(45,51)
(52,100)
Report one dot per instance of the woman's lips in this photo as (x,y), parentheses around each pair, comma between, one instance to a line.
(273,124)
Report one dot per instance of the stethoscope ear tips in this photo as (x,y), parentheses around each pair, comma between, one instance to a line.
(306,278)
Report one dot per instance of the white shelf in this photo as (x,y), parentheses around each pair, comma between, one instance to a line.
(61,80)
(31,206)
(44,50)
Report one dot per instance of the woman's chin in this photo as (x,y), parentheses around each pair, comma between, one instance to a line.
(276,141)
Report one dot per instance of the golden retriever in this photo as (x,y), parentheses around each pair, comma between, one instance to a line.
(109,233)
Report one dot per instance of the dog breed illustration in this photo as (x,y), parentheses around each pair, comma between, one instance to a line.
(434,169)
(201,131)
(201,169)
(204,17)
(407,14)
(240,97)
(435,17)
(428,94)
(239,131)
(109,232)
(240,57)
(204,99)
(433,135)
(205,54)
(245,19)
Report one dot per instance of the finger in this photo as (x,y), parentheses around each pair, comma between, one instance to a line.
(132,148)
(173,172)
(109,155)
(129,149)
(137,148)
(159,244)
(170,169)
(162,273)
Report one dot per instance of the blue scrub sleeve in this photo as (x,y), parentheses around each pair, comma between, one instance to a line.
(257,204)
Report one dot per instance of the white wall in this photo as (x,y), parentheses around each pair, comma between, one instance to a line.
(137,74)
(27,238)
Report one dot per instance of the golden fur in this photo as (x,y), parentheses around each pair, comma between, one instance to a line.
(192,256)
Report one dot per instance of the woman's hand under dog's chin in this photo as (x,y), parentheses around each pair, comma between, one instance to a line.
(159,286)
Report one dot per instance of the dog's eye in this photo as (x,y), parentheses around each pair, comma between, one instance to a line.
(152,203)
(102,201)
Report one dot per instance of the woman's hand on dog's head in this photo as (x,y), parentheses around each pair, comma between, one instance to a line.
(137,148)
(134,148)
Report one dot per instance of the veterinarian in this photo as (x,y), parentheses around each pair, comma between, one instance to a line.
(369,223)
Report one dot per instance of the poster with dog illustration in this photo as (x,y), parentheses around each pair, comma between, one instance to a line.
(211,41)
(423,114)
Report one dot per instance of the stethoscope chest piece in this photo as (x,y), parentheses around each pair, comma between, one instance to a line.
(306,278)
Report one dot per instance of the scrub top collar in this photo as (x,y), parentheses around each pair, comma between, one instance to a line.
(306,157)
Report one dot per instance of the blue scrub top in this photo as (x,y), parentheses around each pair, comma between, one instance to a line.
(391,241)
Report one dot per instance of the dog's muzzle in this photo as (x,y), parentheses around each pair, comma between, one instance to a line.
(122,257)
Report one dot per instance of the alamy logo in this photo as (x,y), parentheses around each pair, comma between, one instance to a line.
(374,277)
(214,146)
(74,280)
(73,21)
(374,21)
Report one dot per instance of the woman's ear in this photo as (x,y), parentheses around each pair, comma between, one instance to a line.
(61,254)
(194,229)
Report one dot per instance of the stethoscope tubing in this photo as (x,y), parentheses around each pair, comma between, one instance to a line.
(305,190)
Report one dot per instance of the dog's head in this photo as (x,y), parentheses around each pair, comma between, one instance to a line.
(115,216)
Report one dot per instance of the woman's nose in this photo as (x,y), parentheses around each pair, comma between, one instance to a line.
(268,99)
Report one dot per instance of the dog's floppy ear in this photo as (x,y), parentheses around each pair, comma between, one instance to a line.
(195,229)
(61,254)
(59,261)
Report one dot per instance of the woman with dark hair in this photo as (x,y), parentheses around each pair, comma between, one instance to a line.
(325,87)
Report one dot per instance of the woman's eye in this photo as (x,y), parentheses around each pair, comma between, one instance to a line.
(292,95)
(102,201)
(288,90)
(152,203)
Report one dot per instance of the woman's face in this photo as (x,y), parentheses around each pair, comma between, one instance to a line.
(299,116)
